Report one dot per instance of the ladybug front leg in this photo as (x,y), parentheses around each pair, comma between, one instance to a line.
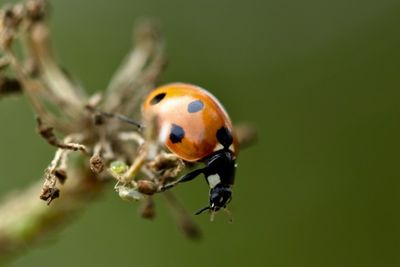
(187,177)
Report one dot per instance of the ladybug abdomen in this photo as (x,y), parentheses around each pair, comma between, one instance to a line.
(190,120)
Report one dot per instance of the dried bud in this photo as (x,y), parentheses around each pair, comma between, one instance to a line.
(48,194)
(147,210)
(97,163)
(10,19)
(9,86)
(146,187)
(61,175)
(167,166)
(98,119)
(190,229)
(36,9)
(19,12)
(163,162)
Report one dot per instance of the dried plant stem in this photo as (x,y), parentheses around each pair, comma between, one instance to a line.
(25,220)
(55,78)
(28,87)
(138,72)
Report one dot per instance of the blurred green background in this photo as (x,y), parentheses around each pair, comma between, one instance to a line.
(319,79)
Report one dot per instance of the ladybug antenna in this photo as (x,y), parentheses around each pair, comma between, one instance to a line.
(121,118)
(202,210)
(212,215)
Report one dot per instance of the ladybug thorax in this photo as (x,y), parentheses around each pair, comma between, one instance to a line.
(192,123)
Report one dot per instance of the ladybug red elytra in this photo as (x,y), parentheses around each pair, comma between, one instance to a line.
(194,126)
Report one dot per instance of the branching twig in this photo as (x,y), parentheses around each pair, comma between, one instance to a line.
(53,76)
(139,71)
(47,133)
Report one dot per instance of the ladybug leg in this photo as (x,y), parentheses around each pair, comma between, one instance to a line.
(190,176)
(187,177)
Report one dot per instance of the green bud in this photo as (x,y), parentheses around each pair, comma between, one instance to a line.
(118,167)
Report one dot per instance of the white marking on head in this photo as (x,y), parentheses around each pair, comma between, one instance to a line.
(212,216)
(218,147)
(232,148)
(213,180)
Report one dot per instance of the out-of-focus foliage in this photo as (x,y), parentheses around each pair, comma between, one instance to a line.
(320,80)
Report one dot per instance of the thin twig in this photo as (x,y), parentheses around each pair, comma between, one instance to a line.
(28,87)
(129,80)
(38,43)
(47,133)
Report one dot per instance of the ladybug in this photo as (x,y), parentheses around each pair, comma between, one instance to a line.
(195,126)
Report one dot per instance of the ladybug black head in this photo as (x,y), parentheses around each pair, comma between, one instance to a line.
(219,197)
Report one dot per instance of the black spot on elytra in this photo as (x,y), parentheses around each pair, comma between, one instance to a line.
(157,98)
(177,134)
(224,136)
(195,106)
